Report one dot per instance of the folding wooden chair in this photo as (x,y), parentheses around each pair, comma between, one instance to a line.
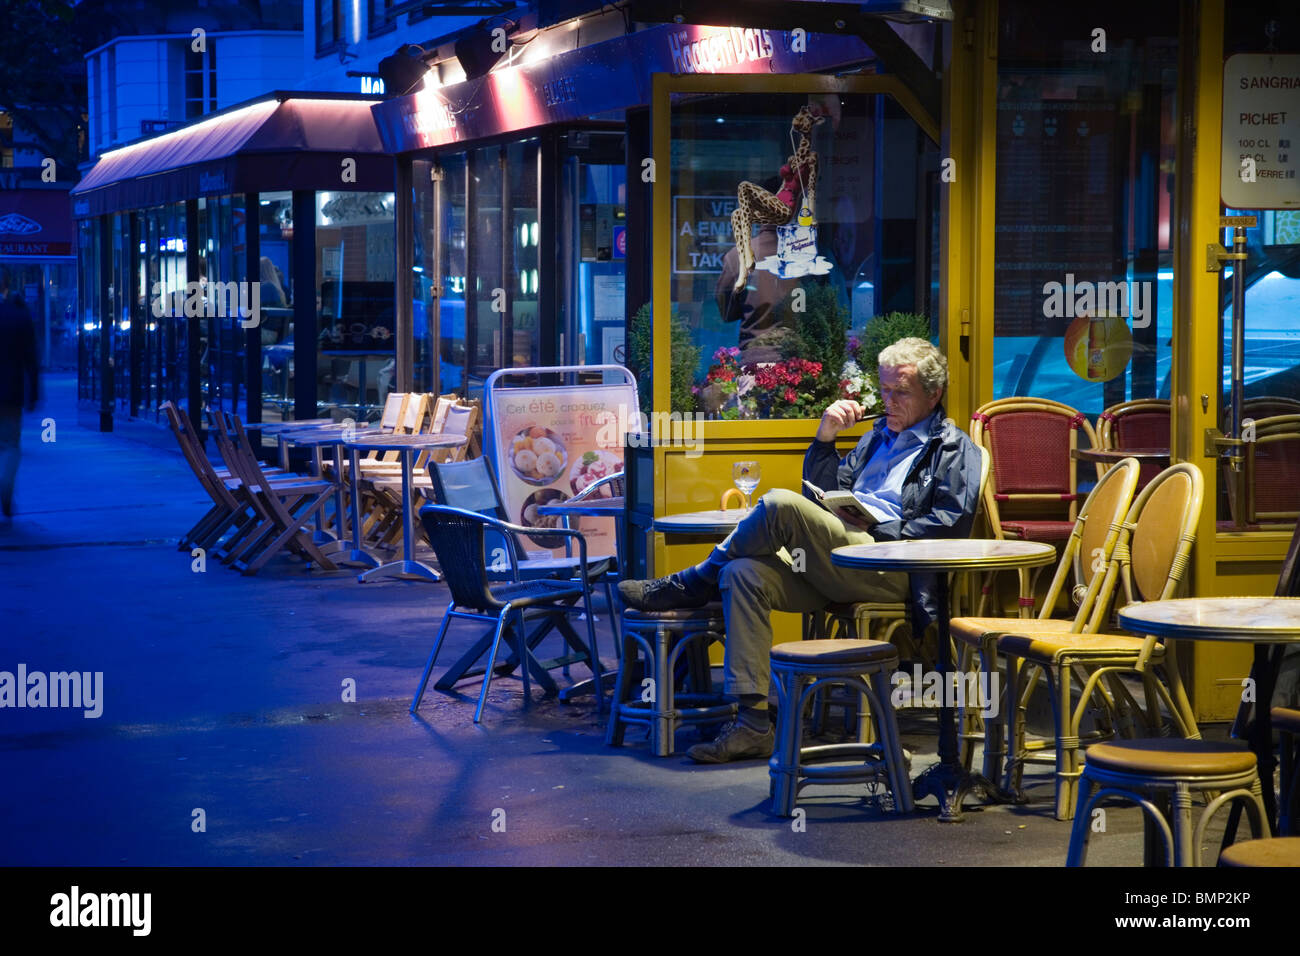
(284,506)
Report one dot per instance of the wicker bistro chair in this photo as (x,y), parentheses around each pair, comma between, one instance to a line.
(1150,560)
(1136,771)
(1084,559)
(665,649)
(1141,423)
(1030,440)
(458,539)
(1271,475)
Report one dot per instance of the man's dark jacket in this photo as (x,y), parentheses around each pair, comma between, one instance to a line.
(939,496)
(18,363)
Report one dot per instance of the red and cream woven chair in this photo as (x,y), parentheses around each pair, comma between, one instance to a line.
(1141,423)
(1033,494)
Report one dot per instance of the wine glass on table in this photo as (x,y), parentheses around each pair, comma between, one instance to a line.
(746,475)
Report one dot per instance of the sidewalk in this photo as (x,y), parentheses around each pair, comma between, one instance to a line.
(223,693)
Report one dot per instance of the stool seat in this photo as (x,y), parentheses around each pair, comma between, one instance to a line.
(1277,851)
(1170,758)
(1286,719)
(1046,647)
(712,610)
(833,652)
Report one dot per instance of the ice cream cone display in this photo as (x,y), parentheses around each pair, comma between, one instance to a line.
(1098,347)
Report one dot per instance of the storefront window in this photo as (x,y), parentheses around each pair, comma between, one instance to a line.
(1261,494)
(827,191)
(275,273)
(90,309)
(600,242)
(355,261)
(1083,275)
(222,259)
(439,321)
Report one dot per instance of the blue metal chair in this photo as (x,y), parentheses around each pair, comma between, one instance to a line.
(459,539)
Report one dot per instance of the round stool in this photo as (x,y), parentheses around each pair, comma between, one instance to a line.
(1137,770)
(800,669)
(663,640)
(1276,851)
(1286,721)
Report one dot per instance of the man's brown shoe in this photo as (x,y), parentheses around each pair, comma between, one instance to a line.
(736,741)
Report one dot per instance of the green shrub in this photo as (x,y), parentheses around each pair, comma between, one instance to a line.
(684,358)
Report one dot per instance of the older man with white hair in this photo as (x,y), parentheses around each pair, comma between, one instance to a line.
(916,473)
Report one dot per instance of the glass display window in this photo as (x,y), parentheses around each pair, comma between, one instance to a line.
(795,221)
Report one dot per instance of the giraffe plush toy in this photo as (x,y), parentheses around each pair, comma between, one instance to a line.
(754,204)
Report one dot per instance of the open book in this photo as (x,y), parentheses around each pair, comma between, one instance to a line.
(843,505)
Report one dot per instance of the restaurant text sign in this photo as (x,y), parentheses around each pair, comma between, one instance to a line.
(1260,161)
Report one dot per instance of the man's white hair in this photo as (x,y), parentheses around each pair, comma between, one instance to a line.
(931,366)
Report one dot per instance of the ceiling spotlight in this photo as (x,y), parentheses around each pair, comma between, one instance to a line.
(403,71)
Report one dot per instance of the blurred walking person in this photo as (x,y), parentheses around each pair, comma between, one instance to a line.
(18,386)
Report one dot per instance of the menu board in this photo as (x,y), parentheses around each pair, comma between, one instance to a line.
(1260,164)
(548,444)
(1055,205)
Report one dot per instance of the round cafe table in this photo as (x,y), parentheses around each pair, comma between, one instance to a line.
(947,780)
(1261,621)
(1111,456)
(716,521)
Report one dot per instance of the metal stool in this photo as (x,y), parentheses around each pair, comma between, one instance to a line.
(1276,851)
(1286,721)
(799,670)
(1136,770)
(665,640)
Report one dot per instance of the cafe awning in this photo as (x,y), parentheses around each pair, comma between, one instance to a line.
(288,141)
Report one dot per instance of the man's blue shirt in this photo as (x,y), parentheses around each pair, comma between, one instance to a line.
(880,484)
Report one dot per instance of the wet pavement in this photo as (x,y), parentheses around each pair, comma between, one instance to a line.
(222,703)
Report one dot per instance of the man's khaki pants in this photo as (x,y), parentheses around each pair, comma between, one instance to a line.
(779,559)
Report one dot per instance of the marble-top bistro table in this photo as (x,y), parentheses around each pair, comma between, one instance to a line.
(947,780)
(408,445)
(594,508)
(1261,621)
(716,521)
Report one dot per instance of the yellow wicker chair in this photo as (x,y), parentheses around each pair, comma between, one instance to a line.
(1087,554)
(1150,560)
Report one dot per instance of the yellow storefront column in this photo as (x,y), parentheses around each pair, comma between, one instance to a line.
(1223,564)
(967,210)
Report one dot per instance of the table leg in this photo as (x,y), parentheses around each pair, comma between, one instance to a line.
(408,564)
(358,553)
(321,536)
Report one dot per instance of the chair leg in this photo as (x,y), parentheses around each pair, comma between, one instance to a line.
(492,657)
(664,733)
(886,722)
(1186,853)
(615,729)
(433,656)
(784,767)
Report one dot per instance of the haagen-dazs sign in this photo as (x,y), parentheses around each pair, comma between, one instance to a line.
(13,224)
